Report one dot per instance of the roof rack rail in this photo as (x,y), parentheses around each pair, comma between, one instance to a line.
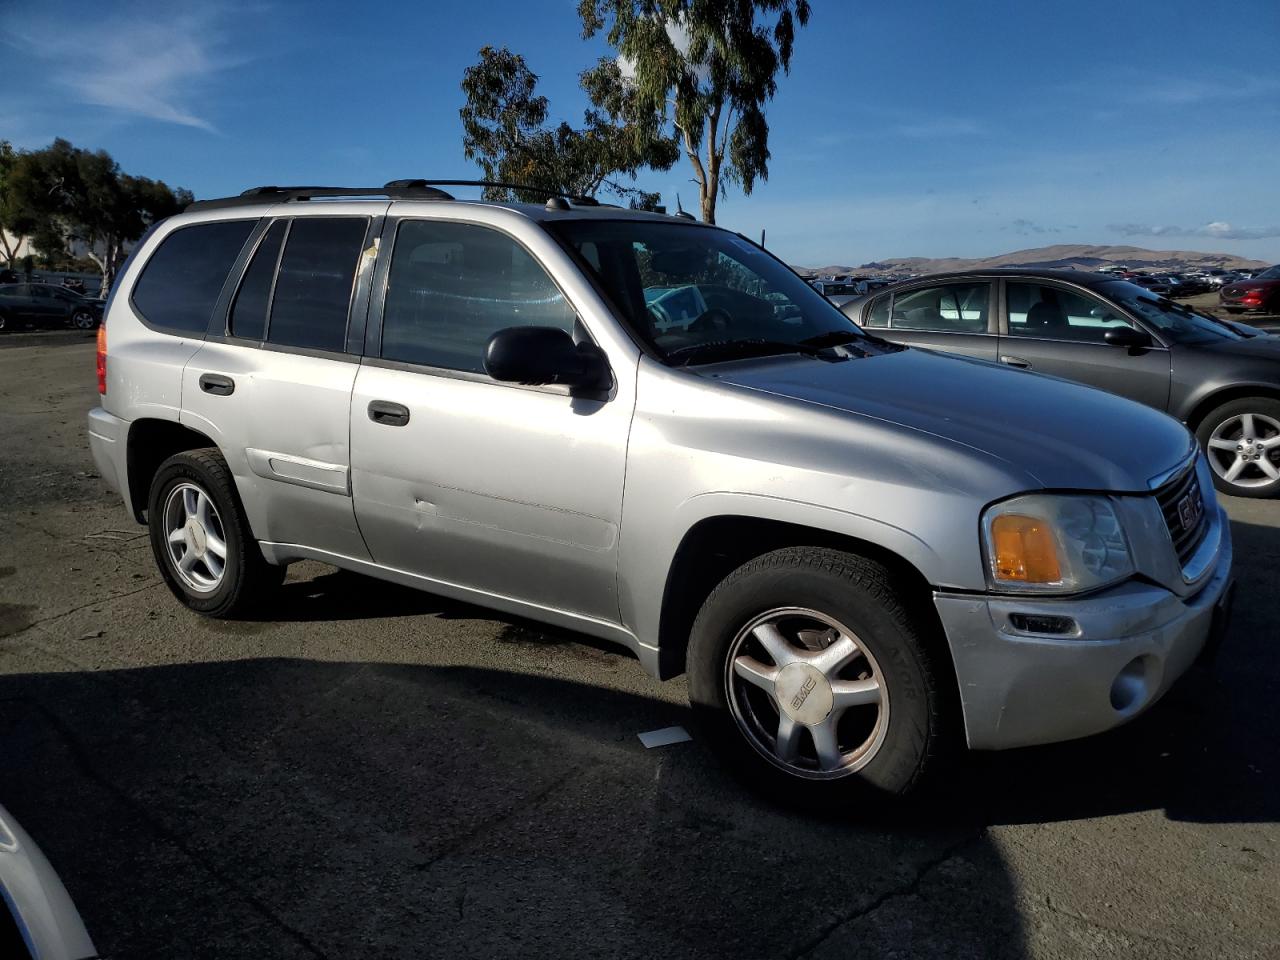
(395,190)
(392,189)
(578,200)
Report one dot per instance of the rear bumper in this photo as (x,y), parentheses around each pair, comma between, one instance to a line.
(108,436)
(1135,640)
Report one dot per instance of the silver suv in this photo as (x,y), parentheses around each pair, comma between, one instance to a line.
(652,431)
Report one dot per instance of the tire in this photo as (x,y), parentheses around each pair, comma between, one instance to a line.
(884,750)
(4,321)
(1242,441)
(84,320)
(196,485)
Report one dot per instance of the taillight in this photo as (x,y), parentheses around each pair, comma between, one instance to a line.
(102,358)
(1252,296)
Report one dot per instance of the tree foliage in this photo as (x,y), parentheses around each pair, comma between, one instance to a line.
(506,130)
(707,67)
(63,194)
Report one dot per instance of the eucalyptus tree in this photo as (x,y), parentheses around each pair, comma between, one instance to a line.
(708,68)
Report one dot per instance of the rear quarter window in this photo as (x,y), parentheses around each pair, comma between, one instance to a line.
(180,284)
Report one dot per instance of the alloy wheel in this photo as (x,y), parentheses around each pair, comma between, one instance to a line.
(1245,450)
(195,537)
(83,320)
(807,693)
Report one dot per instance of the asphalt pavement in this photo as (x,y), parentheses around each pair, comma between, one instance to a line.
(377,772)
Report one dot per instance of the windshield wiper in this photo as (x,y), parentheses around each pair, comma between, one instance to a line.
(714,350)
(834,338)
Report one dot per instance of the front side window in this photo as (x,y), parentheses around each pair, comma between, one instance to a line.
(453,285)
(180,284)
(702,295)
(950,308)
(1052,313)
(315,281)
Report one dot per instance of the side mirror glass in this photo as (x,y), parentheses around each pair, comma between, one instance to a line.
(1127,336)
(543,355)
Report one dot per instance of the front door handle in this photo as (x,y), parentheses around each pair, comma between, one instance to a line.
(1015,362)
(388,414)
(217,384)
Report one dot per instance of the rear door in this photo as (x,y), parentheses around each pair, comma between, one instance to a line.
(955,317)
(273,380)
(1061,331)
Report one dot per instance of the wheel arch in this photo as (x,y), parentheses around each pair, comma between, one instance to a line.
(717,545)
(1203,405)
(151,442)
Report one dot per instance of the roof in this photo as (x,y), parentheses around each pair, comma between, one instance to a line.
(1081,278)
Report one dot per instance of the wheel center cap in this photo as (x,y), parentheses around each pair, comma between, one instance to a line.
(803,693)
(196,538)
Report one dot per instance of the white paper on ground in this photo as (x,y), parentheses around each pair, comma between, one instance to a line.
(664,737)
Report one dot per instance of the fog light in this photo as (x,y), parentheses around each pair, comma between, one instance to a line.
(1044,623)
(1132,685)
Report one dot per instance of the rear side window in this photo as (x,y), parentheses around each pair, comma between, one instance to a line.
(878,315)
(249,312)
(953,308)
(314,283)
(180,284)
(453,285)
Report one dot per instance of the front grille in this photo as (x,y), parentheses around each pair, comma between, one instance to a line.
(1181,500)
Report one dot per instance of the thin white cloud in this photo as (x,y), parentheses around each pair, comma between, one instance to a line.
(153,64)
(1218,230)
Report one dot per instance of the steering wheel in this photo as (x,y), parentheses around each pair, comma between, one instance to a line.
(712,320)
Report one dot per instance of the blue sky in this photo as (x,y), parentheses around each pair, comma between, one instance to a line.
(905,129)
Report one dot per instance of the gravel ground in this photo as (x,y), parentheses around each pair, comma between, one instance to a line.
(379,772)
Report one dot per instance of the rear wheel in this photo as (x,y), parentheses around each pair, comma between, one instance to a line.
(812,680)
(1242,442)
(201,540)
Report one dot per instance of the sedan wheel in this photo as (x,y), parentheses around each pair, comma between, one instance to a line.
(1242,442)
(807,693)
(83,320)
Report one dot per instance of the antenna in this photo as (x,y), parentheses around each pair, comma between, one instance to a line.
(762,238)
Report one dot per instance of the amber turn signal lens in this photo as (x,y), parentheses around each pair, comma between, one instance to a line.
(1025,551)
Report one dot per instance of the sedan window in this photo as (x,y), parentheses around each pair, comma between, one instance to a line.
(952,308)
(1052,313)
(1174,321)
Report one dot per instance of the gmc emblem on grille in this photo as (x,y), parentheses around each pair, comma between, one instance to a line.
(1189,509)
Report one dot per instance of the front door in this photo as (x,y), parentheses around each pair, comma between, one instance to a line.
(1055,330)
(276,389)
(513,491)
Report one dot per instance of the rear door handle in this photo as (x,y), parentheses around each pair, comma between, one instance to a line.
(387,413)
(1016,362)
(217,384)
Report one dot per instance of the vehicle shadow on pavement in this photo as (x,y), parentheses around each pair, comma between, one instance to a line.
(275,807)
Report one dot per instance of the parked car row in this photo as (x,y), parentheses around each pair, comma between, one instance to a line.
(1221,378)
(47,305)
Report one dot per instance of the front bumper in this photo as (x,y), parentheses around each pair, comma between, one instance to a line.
(1135,640)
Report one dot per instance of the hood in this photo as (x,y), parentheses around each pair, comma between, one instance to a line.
(1266,347)
(1059,434)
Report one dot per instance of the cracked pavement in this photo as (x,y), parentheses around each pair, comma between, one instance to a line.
(380,772)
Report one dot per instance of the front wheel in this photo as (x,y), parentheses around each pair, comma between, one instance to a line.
(84,320)
(201,539)
(811,678)
(1242,441)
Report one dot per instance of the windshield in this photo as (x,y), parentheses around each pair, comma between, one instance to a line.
(692,292)
(1271,273)
(1172,320)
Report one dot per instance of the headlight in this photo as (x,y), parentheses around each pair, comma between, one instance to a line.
(1046,543)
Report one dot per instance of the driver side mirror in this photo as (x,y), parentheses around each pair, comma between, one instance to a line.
(1127,336)
(542,355)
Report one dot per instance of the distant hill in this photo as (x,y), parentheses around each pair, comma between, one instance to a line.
(1059,256)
